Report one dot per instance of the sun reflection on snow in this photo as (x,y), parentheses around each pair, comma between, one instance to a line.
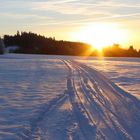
(66,106)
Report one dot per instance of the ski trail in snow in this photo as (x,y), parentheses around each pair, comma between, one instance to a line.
(48,108)
(56,122)
(91,108)
(103,110)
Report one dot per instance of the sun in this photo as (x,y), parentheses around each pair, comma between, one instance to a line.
(100,35)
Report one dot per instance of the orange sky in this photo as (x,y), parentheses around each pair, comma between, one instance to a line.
(75,20)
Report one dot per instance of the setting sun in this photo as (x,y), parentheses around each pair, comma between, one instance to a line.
(100,35)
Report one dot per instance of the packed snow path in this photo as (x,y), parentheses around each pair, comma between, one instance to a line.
(103,110)
(96,109)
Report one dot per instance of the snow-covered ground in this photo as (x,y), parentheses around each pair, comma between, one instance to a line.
(69,98)
(125,72)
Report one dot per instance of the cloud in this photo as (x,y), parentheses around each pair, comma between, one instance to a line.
(86,11)
(22,16)
(89,9)
(68,12)
(71,7)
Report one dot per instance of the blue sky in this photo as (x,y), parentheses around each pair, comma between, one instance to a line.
(62,18)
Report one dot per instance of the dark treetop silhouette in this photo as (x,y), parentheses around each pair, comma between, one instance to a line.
(1,46)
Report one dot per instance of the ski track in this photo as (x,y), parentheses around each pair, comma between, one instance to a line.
(103,110)
(48,108)
(100,110)
(91,108)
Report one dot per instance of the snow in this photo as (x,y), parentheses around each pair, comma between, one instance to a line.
(26,87)
(122,71)
(75,98)
(10,49)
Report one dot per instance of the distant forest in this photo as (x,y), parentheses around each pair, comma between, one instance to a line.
(31,43)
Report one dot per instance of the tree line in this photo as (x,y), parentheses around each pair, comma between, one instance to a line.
(31,43)
(116,51)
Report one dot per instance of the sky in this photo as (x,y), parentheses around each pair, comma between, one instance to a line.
(68,19)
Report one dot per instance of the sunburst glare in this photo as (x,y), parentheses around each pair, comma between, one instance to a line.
(100,35)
